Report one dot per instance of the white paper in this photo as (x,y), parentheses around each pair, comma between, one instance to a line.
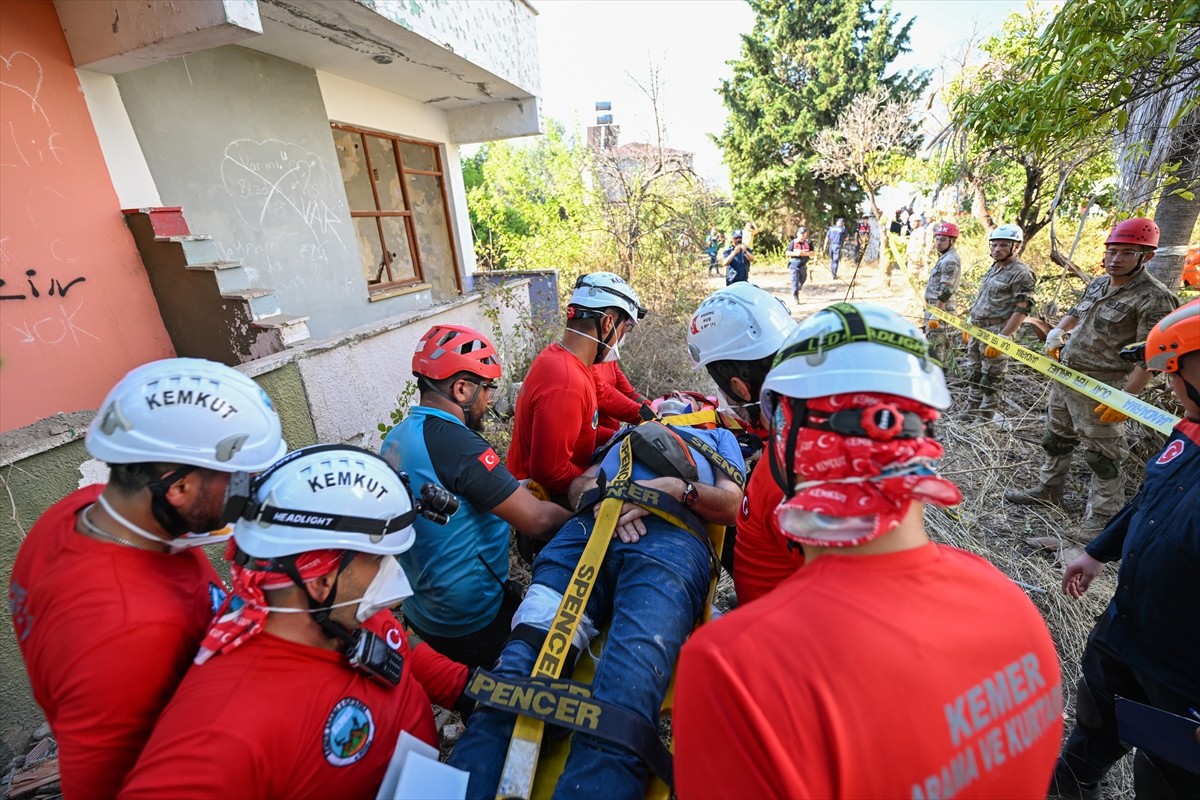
(414,773)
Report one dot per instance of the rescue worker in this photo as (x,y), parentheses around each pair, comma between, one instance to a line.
(616,399)
(649,590)
(1143,646)
(110,596)
(463,600)
(889,665)
(942,287)
(303,690)
(799,252)
(1117,309)
(737,259)
(735,335)
(918,247)
(554,428)
(1005,298)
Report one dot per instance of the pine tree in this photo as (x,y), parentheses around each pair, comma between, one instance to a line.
(800,67)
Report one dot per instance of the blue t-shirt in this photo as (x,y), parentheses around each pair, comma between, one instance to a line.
(454,593)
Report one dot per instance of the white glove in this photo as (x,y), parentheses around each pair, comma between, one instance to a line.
(1055,339)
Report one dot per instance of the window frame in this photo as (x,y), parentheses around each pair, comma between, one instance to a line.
(388,284)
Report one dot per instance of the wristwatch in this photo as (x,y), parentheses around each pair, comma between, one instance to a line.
(690,495)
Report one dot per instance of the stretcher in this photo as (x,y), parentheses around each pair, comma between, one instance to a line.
(531,769)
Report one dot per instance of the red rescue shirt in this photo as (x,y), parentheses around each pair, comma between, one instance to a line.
(616,399)
(761,556)
(278,719)
(919,674)
(107,632)
(554,431)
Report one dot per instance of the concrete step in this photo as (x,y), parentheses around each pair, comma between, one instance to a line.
(292,328)
(230,275)
(262,303)
(197,248)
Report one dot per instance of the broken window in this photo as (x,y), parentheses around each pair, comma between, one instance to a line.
(397,195)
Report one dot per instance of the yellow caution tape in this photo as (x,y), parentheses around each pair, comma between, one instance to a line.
(1127,404)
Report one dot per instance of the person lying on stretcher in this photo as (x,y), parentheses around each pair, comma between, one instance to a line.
(650,590)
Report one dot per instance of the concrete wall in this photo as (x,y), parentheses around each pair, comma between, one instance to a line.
(78,312)
(242,141)
(500,36)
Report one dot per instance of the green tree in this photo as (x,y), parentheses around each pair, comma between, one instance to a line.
(1124,69)
(799,69)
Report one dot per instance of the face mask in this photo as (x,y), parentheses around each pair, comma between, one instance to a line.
(611,354)
(389,586)
(178,545)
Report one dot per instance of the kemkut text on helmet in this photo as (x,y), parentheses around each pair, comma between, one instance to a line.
(738,323)
(607,290)
(1011,233)
(860,347)
(327,497)
(1175,335)
(447,350)
(187,411)
(1136,230)
(945,229)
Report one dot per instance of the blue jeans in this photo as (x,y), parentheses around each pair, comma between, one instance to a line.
(661,583)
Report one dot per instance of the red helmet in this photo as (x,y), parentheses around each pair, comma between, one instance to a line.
(945,229)
(446,350)
(1135,230)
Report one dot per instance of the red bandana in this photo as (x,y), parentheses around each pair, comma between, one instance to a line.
(851,489)
(230,629)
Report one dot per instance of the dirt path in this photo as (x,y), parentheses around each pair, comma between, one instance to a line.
(822,290)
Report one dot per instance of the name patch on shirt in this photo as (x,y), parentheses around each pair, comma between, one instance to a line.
(349,731)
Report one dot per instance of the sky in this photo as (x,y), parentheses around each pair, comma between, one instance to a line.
(593,50)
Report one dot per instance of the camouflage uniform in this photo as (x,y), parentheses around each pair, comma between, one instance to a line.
(1109,318)
(944,279)
(1000,291)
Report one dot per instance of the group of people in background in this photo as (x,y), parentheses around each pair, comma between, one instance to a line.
(862,659)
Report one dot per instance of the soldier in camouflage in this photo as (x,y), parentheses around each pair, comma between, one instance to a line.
(1118,308)
(1005,298)
(942,287)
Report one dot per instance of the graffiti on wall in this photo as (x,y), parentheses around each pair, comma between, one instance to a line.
(39,266)
(285,193)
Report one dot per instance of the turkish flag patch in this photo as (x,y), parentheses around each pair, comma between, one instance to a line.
(1173,451)
(489,459)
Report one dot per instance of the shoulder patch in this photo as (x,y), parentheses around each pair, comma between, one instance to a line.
(349,731)
(1173,451)
(489,459)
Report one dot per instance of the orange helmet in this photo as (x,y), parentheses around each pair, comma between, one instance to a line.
(447,350)
(1135,230)
(1175,335)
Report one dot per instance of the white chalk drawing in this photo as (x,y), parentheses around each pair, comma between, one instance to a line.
(53,329)
(275,184)
(27,136)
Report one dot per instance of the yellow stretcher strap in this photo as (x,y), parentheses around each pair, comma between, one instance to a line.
(516,779)
(1127,404)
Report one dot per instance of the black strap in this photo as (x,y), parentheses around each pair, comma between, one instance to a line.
(883,422)
(569,704)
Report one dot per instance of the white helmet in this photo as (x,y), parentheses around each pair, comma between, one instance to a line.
(607,290)
(326,497)
(1009,232)
(856,347)
(187,411)
(738,323)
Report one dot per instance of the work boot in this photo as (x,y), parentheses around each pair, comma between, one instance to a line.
(1039,495)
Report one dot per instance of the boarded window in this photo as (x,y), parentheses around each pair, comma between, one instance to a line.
(397,194)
